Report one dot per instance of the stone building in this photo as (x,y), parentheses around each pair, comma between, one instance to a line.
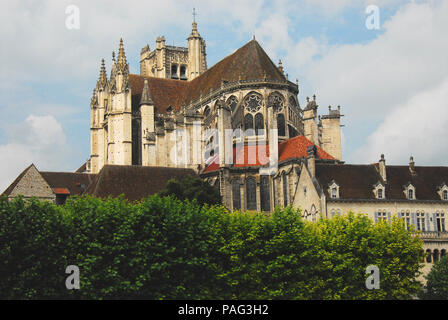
(240,126)
(416,194)
(226,122)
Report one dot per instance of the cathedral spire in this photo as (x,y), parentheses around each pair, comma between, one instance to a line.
(102,80)
(194,29)
(146,96)
(122,64)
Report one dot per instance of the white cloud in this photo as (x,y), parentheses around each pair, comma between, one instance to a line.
(416,127)
(39,140)
(373,80)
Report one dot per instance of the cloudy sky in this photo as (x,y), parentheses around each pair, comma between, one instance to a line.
(391,82)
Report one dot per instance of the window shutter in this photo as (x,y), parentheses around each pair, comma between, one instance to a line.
(375,216)
(388,217)
(414,220)
(427,225)
(434,221)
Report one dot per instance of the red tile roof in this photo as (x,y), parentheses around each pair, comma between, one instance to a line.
(255,156)
(61,191)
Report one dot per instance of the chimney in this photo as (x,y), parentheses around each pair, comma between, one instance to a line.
(311,160)
(412,165)
(382,168)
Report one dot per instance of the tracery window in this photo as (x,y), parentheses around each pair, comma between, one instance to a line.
(251,194)
(265,197)
(252,102)
(248,123)
(259,124)
(236,195)
(281,125)
(285,189)
(232,102)
(276,101)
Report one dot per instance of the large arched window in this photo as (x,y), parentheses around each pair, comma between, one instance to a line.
(248,123)
(265,197)
(285,189)
(236,195)
(183,73)
(251,194)
(174,71)
(252,102)
(281,125)
(276,101)
(232,102)
(259,124)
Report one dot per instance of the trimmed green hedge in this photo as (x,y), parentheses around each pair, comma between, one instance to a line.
(163,248)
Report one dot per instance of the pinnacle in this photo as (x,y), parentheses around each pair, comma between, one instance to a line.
(146,96)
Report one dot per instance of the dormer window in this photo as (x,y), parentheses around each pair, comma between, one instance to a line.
(443,192)
(380,193)
(333,190)
(409,191)
(334,193)
(379,190)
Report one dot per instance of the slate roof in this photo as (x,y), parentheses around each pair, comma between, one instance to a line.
(135,182)
(75,182)
(357,181)
(253,156)
(249,62)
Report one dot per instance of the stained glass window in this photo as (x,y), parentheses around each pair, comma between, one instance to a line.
(265,193)
(251,194)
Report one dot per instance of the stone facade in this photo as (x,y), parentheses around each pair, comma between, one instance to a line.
(381,192)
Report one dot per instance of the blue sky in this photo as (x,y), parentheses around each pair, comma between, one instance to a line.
(391,83)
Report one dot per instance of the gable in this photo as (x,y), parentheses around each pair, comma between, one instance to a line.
(31,184)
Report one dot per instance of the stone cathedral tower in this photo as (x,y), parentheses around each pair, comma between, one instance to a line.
(172,62)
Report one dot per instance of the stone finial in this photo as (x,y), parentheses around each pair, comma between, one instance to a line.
(307,99)
(280,66)
(411,164)
(314,97)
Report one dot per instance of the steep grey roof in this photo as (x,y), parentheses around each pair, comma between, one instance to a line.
(357,181)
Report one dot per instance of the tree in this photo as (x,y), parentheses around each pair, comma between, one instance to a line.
(437,281)
(191,188)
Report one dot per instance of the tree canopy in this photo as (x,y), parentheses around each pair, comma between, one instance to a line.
(165,248)
(192,187)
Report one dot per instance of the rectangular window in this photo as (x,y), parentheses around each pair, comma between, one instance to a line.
(382,216)
(406,218)
(440,222)
(421,221)
(380,193)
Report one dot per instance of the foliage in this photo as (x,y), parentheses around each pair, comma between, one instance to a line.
(164,248)
(437,281)
(192,188)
